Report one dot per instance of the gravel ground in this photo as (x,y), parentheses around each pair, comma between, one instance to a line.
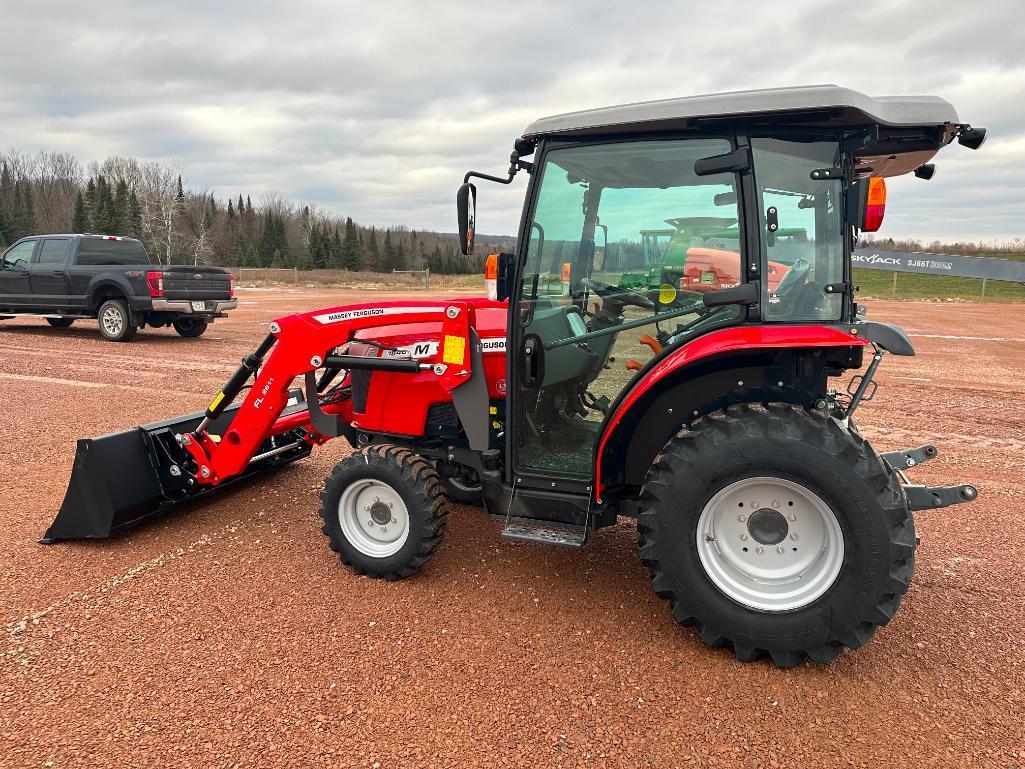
(231,635)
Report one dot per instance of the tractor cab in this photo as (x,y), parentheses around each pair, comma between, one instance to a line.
(765,192)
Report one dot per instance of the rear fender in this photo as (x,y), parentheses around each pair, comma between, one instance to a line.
(742,363)
(108,286)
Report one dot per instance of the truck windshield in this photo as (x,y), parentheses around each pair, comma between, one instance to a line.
(804,250)
(103,251)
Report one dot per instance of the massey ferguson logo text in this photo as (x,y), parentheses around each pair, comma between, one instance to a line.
(370,312)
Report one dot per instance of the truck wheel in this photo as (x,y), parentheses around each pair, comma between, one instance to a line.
(190,327)
(60,322)
(384,511)
(776,531)
(116,321)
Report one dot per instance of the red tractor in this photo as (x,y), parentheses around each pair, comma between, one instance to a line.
(765,519)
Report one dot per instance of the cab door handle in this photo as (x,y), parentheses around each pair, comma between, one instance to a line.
(532,362)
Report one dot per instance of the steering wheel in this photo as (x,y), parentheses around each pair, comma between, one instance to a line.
(794,278)
(618,294)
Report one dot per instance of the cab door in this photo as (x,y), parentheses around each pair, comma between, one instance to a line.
(48,274)
(583,325)
(15,292)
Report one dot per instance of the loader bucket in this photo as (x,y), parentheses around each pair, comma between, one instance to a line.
(122,479)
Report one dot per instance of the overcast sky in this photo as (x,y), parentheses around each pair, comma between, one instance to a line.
(375,110)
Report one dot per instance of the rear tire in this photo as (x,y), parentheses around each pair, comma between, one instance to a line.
(60,322)
(190,327)
(848,508)
(384,511)
(116,321)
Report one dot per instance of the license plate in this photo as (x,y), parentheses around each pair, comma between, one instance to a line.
(199,306)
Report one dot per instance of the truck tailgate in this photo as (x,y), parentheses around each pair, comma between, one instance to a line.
(185,282)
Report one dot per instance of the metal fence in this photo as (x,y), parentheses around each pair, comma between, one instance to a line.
(915,275)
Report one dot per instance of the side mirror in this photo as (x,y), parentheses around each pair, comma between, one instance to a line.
(466,211)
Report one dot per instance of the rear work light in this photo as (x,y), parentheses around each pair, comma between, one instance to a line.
(491,276)
(156,283)
(875,204)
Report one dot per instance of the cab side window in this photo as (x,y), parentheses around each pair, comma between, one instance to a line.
(19,255)
(53,251)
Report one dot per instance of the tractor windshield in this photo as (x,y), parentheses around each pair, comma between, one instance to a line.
(622,235)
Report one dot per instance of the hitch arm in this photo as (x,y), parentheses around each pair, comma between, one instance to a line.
(931,497)
(902,460)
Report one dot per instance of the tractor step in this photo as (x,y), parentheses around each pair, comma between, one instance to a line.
(563,537)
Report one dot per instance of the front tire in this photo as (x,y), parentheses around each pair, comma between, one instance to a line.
(116,321)
(777,532)
(190,327)
(383,511)
(60,322)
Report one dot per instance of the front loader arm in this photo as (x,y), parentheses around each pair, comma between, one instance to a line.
(303,343)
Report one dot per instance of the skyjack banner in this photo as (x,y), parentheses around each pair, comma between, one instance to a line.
(941,264)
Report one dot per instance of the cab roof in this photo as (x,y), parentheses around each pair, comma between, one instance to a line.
(811,105)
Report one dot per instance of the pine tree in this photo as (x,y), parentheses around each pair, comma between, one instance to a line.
(241,206)
(90,203)
(133,226)
(6,194)
(231,211)
(337,254)
(349,247)
(267,240)
(80,221)
(249,204)
(180,195)
(104,216)
(119,208)
(373,260)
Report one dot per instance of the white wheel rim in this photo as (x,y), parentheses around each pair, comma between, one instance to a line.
(373,518)
(113,321)
(740,549)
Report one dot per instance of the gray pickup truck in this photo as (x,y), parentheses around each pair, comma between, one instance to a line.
(64,278)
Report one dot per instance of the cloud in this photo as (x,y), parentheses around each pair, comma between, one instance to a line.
(376,110)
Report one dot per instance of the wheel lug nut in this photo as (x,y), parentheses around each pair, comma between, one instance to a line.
(760,550)
(775,503)
(396,520)
(779,550)
(370,523)
(743,536)
(792,517)
(754,505)
(741,518)
(385,528)
(793,537)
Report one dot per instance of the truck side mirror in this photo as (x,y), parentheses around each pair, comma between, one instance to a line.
(466,211)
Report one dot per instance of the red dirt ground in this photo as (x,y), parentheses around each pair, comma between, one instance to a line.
(231,635)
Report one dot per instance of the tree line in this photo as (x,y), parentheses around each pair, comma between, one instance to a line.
(52,192)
